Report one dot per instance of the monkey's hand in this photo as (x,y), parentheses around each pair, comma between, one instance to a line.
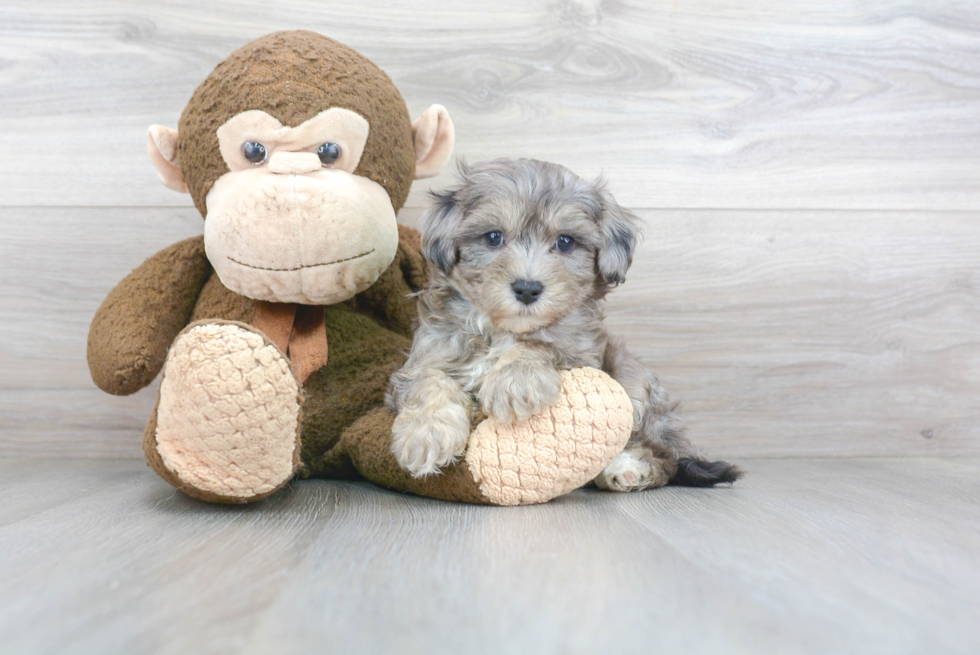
(140,318)
(519,386)
(432,426)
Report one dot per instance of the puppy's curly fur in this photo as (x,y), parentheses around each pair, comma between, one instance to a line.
(522,254)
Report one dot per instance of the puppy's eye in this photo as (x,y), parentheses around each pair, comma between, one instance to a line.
(254,152)
(328,153)
(494,239)
(565,243)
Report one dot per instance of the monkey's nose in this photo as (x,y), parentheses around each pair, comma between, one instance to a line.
(294,163)
(527,291)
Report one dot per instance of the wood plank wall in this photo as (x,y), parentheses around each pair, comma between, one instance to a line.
(809,174)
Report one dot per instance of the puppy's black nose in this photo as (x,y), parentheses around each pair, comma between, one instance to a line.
(527,291)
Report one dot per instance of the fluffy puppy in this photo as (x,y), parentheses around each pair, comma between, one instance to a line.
(522,254)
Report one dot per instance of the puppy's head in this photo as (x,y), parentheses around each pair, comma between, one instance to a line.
(527,242)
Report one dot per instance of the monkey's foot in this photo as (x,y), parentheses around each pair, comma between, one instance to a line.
(557,450)
(227,421)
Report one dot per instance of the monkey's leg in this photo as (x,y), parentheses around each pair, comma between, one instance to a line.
(555,451)
(226,425)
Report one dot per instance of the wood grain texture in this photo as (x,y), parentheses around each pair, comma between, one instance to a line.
(818,333)
(706,104)
(783,333)
(802,556)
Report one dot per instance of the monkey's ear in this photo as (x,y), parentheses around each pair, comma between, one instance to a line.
(620,232)
(439,225)
(434,137)
(161,145)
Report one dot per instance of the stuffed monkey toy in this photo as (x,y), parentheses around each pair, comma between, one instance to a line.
(277,330)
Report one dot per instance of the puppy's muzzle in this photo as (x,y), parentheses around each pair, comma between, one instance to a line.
(527,291)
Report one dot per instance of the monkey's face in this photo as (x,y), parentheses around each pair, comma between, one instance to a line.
(299,152)
(290,222)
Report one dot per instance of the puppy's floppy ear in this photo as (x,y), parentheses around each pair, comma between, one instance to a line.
(439,225)
(620,232)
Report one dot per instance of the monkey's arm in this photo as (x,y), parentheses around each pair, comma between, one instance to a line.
(138,320)
(388,299)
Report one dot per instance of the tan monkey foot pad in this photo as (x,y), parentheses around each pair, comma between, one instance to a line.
(228,413)
(558,450)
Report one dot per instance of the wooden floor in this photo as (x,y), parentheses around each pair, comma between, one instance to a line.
(802,556)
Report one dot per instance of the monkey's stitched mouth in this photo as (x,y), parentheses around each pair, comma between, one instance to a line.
(299,268)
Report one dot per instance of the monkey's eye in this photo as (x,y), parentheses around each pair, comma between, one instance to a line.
(328,153)
(494,239)
(254,152)
(565,243)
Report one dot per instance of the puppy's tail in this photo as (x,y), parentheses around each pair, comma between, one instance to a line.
(693,472)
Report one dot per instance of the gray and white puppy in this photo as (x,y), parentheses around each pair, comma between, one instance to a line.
(522,253)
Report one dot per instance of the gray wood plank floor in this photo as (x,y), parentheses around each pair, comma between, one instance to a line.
(802,556)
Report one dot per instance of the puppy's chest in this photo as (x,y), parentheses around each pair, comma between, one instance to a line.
(483,355)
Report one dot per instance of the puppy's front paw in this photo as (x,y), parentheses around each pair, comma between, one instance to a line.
(633,470)
(519,390)
(426,439)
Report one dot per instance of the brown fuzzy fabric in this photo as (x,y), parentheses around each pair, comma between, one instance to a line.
(368,444)
(216,301)
(138,320)
(367,345)
(293,76)
(388,300)
(363,355)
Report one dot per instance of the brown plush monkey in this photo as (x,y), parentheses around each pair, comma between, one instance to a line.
(277,331)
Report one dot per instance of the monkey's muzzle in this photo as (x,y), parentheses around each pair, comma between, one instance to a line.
(314,239)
